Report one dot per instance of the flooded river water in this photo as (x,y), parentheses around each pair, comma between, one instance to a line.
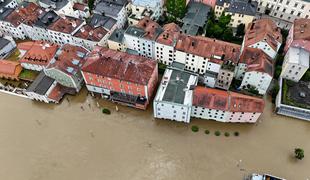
(64,142)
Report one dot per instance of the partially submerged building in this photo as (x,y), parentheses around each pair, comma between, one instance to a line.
(174,96)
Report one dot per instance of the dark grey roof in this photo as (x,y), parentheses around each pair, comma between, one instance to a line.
(196,16)
(175,88)
(109,8)
(4,12)
(54,4)
(3,42)
(243,7)
(46,18)
(4,3)
(117,2)
(221,2)
(117,35)
(104,21)
(135,31)
(41,84)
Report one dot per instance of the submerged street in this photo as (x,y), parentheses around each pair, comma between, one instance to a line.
(47,142)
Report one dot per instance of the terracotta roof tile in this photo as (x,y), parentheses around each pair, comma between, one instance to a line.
(263,29)
(70,59)
(65,24)
(27,15)
(37,52)
(257,60)
(209,48)
(89,33)
(226,101)
(120,65)
(10,68)
(302,29)
(150,27)
(170,35)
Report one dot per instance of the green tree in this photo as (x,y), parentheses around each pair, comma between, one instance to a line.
(277,72)
(299,153)
(91,4)
(306,76)
(240,30)
(224,20)
(217,31)
(228,34)
(176,8)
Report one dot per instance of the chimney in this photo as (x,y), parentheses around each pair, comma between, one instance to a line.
(193,43)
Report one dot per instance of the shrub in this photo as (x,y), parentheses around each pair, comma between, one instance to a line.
(207,131)
(106,111)
(227,134)
(217,133)
(299,153)
(236,133)
(195,128)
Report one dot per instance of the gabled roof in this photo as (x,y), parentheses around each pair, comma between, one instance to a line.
(41,84)
(119,65)
(37,52)
(104,21)
(263,30)
(226,101)
(257,60)
(55,4)
(80,7)
(46,18)
(66,24)
(243,7)
(27,14)
(170,35)
(301,29)
(10,68)
(208,48)
(69,59)
(89,33)
(145,28)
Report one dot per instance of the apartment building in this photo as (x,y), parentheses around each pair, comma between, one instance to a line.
(242,12)
(61,7)
(225,106)
(8,4)
(62,30)
(40,31)
(141,37)
(18,23)
(116,9)
(296,63)
(81,10)
(284,11)
(144,8)
(165,44)
(7,46)
(174,97)
(65,68)
(116,40)
(255,68)
(299,35)
(263,34)
(121,77)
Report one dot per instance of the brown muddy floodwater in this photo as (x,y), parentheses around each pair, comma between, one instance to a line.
(63,142)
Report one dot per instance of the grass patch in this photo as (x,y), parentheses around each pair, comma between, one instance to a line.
(236,133)
(106,111)
(217,133)
(227,134)
(195,128)
(14,56)
(28,74)
(207,131)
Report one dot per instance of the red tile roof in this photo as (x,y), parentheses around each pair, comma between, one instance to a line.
(79,6)
(90,33)
(65,24)
(207,47)
(301,29)
(226,101)
(170,35)
(150,27)
(27,15)
(257,60)
(37,52)
(71,57)
(263,29)
(10,68)
(120,65)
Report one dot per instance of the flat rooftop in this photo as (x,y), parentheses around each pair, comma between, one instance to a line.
(176,87)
